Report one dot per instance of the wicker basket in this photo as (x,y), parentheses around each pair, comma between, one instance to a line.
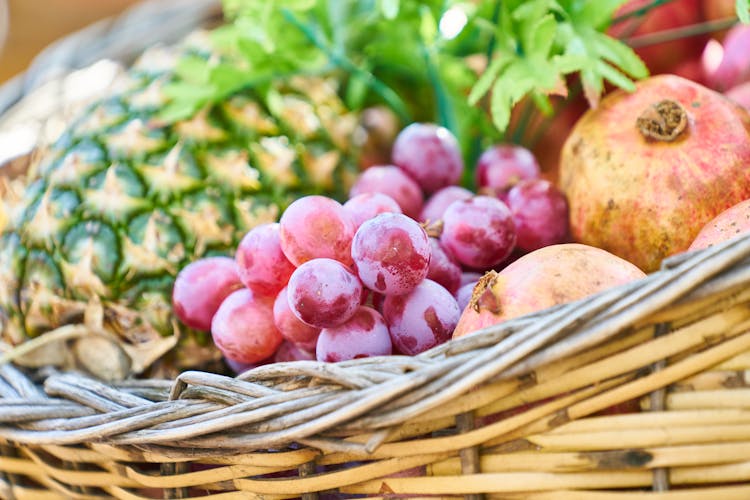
(641,391)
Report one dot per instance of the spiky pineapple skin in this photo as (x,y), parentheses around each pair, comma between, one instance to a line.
(122,201)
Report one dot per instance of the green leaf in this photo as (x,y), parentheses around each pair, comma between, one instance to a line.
(485,82)
(620,54)
(389,8)
(743,10)
(428,28)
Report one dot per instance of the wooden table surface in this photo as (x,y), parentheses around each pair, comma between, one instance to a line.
(33,24)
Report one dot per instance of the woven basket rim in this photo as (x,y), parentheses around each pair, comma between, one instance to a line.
(297,413)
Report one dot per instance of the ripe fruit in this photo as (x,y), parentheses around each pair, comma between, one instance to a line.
(540,214)
(429,154)
(243,327)
(288,351)
(421,319)
(364,335)
(740,94)
(478,232)
(435,206)
(646,170)
(315,227)
(727,64)
(391,253)
(365,206)
(290,326)
(262,265)
(444,269)
(200,288)
(732,222)
(463,295)
(124,200)
(392,181)
(546,277)
(503,166)
(323,293)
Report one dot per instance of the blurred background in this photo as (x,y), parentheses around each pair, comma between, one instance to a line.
(31,25)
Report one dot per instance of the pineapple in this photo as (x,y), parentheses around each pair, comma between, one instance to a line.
(120,202)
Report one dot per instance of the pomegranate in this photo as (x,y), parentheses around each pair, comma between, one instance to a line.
(662,57)
(646,170)
(731,222)
(552,275)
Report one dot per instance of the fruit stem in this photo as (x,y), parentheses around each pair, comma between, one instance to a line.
(681,32)
(640,12)
(663,121)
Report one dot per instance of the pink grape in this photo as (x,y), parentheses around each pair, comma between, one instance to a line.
(365,206)
(288,351)
(290,326)
(324,293)
(470,277)
(444,269)
(391,253)
(262,265)
(316,227)
(364,335)
(478,232)
(435,206)
(238,367)
(421,319)
(463,295)
(430,154)
(502,166)
(391,181)
(540,214)
(243,327)
(200,287)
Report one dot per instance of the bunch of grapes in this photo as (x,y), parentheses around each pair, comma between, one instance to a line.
(388,271)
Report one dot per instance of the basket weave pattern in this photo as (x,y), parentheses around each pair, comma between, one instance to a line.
(349,426)
(526,409)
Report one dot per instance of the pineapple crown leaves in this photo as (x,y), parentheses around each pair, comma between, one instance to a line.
(529,48)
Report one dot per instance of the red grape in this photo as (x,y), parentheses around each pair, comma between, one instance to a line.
(262,265)
(365,206)
(290,326)
(324,293)
(470,277)
(316,227)
(478,232)
(364,335)
(540,214)
(391,181)
(421,319)
(391,253)
(243,327)
(463,295)
(444,269)
(430,154)
(436,204)
(238,367)
(288,351)
(200,287)
(502,166)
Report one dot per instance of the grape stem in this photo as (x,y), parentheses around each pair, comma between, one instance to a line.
(640,12)
(681,32)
